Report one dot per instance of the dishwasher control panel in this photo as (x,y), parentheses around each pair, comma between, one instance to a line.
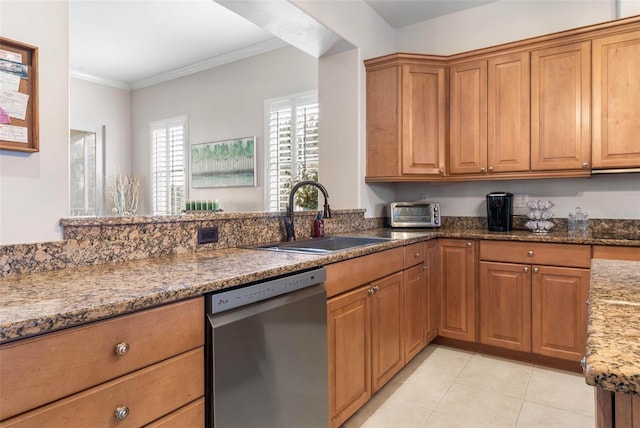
(225,300)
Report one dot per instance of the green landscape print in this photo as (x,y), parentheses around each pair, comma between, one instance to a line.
(229,163)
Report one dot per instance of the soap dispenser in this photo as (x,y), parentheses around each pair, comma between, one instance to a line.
(318,226)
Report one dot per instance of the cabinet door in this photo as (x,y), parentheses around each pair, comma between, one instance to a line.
(559,311)
(424,123)
(432,303)
(415,311)
(349,349)
(457,276)
(383,126)
(560,107)
(386,329)
(616,105)
(505,305)
(468,115)
(508,142)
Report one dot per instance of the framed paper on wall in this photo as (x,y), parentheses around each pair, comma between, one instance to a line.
(227,163)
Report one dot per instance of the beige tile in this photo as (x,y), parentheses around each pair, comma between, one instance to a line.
(359,418)
(475,407)
(500,375)
(398,414)
(416,390)
(533,415)
(560,389)
(442,363)
(439,420)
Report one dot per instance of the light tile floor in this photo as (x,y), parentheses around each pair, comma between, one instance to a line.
(446,387)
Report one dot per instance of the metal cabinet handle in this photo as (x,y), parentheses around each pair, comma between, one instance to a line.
(122,349)
(425,267)
(441,171)
(376,288)
(585,165)
(371,291)
(490,169)
(536,270)
(122,412)
(525,269)
(469,244)
(587,302)
(583,363)
(416,255)
(530,254)
(482,170)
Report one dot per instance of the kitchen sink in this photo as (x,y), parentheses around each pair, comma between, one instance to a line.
(328,244)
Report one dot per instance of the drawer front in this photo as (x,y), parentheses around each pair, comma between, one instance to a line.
(569,255)
(148,394)
(40,370)
(616,253)
(191,415)
(347,275)
(414,254)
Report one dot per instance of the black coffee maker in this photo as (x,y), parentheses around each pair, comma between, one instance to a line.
(499,211)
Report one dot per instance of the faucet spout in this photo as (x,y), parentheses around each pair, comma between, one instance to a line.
(288,221)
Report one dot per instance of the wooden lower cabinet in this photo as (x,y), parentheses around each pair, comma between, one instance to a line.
(349,349)
(559,311)
(415,308)
(387,336)
(505,305)
(532,307)
(616,409)
(457,289)
(431,278)
(151,362)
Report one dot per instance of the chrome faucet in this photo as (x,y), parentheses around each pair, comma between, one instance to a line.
(288,220)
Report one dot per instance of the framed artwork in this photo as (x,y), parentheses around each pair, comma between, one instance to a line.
(227,163)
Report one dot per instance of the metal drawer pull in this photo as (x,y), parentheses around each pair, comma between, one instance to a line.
(122,413)
(530,254)
(535,270)
(416,255)
(469,244)
(376,288)
(525,269)
(425,267)
(371,291)
(122,349)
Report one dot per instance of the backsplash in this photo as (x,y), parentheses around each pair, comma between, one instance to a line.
(92,241)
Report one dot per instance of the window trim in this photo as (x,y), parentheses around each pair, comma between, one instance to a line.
(171,121)
(293,101)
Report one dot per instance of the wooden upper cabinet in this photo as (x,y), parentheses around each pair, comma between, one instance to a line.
(616,101)
(468,116)
(406,118)
(424,124)
(490,115)
(561,107)
(508,124)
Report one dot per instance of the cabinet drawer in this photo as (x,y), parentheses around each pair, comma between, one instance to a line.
(347,275)
(191,415)
(40,370)
(616,253)
(570,255)
(148,394)
(414,254)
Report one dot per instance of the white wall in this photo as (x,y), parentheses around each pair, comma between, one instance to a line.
(34,189)
(94,104)
(222,103)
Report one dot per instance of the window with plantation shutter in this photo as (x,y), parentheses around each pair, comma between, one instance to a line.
(168,176)
(292,147)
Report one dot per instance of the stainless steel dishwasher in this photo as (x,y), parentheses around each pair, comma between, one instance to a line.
(267,354)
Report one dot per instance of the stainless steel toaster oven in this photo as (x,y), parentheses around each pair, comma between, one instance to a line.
(413,214)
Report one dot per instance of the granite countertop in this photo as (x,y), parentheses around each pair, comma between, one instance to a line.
(613,334)
(41,302)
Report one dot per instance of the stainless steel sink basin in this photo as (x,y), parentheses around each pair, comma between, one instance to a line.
(325,245)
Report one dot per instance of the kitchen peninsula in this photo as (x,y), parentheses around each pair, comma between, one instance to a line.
(612,362)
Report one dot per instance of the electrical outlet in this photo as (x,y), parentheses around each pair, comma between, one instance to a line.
(520,204)
(207,235)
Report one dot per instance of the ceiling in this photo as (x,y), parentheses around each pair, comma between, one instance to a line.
(136,43)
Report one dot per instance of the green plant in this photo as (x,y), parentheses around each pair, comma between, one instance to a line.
(307,196)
